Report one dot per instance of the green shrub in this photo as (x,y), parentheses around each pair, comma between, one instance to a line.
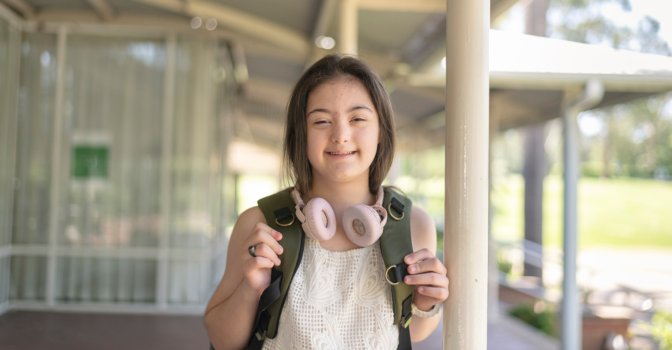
(504,265)
(544,321)
(661,328)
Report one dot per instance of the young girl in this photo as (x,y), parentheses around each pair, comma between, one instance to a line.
(339,145)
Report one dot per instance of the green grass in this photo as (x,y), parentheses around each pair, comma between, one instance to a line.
(612,212)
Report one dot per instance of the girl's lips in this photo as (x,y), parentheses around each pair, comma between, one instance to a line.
(341,156)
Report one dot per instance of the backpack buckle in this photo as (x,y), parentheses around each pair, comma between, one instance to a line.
(283,214)
(398,207)
(387,275)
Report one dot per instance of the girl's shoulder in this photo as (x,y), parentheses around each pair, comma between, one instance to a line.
(249,218)
(245,224)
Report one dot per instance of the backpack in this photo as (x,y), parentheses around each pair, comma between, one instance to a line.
(395,244)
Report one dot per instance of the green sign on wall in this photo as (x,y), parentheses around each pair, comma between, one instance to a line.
(89,162)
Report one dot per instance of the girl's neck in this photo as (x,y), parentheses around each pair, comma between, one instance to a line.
(342,195)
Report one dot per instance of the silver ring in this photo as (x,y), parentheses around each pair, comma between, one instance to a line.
(252,250)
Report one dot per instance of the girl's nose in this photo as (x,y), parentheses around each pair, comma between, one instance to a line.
(340,132)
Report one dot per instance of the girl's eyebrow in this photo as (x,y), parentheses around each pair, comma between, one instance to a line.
(317,110)
(323,110)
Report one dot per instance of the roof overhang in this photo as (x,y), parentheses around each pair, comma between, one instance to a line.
(520,61)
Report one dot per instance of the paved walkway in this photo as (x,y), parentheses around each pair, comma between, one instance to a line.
(507,334)
(20,330)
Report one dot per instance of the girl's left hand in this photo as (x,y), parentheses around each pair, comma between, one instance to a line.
(429,276)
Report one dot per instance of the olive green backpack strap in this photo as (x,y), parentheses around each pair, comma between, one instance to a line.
(395,244)
(278,209)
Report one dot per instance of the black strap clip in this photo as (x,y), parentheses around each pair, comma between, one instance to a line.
(406,310)
(283,214)
(397,205)
(262,327)
(399,271)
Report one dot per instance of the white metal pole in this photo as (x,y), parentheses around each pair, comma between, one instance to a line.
(54,191)
(347,39)
(493,268)
(571,320)
(574,102)
(467,138)
(166,172)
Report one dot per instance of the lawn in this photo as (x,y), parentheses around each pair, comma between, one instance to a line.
(612,212)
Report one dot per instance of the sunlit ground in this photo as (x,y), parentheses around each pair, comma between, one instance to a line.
(621,212)
(625,233)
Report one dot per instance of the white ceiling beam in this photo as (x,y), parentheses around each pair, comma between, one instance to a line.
(11,16)
(497,7)
(324,18)
(239,21)
(268,91)
(649,83)
(134,24)
(25,9)
(320,29)
(103,9)
(404,5)
(64,15)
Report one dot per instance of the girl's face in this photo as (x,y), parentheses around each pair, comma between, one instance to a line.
(343,131)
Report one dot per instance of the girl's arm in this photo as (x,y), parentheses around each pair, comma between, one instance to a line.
(430,274)
(229,316)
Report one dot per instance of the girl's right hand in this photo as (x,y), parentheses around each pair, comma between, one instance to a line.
(257,270)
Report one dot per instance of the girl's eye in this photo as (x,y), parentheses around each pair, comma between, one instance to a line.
(359,119)
(321,122)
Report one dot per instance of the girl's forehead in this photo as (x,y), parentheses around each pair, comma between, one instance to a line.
(340,90)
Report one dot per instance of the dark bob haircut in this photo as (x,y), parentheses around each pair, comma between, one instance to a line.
(331,67)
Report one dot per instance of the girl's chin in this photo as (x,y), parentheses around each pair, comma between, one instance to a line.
(343,176)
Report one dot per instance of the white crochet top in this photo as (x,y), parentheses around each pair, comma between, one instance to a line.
(337,300)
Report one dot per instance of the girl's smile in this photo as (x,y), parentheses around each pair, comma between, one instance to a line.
(341,154)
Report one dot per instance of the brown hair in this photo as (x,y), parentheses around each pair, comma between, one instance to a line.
(296,164)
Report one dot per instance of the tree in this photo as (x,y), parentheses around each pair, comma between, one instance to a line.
(636,133)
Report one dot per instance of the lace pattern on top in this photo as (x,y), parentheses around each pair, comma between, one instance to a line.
(337,300)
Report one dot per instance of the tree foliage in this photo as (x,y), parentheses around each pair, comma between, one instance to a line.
(636,136)
(586,21)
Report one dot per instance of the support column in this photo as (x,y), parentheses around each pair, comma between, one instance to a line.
(534,172)
(493,267)
(347,38)
(466,213)
(166,172)
(534,163)
(571,317)
(574,102)
(54,191)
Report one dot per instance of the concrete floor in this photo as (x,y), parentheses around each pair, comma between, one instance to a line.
(23,330)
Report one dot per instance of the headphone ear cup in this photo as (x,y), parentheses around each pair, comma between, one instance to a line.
(320,221)
(362,224)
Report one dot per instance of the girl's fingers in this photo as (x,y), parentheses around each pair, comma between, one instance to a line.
(428,265)
(257,263)
(263,250)
(421,254)
(263,234)
(263,227)
(434,292)
(429,279)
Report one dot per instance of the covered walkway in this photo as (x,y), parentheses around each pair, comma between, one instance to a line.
(21,330)
(119,121)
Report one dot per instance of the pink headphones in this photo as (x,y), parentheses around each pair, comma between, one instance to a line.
(362,223)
